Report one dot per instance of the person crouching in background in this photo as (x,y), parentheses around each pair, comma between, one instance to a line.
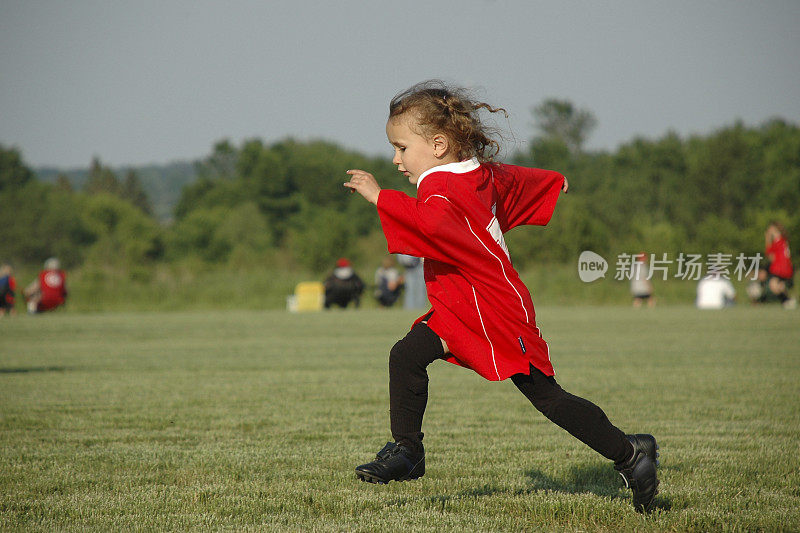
(343,286)
(388,283)
(780,279)
(49,290)
(7,287)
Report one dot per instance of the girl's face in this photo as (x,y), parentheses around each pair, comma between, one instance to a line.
(414,153)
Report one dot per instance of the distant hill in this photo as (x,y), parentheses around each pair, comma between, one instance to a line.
(162,183)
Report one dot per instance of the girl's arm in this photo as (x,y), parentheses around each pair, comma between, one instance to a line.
(402,227)
(428,228)
(527,195)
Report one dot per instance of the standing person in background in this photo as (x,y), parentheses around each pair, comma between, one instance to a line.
(49,290)
(641,287)
(8,286)
(779,259)
(416,297)
(388,283)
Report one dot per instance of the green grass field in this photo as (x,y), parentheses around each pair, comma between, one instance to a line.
(254,420)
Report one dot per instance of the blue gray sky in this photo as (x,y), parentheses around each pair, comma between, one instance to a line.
(159,81)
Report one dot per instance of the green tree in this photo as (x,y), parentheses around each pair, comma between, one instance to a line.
(191,196)
(132,191)
(13,172)
(322,236)
(221,164)
(288,181)
(780,143)
(42,222)
(546,152)
(561,120)
(101,179)
(266,179)
(194,235)
(63,183)
(124,234)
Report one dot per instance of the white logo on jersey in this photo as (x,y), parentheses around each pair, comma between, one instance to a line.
(497,234)
(52,279)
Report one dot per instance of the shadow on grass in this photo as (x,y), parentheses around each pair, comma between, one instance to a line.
(31,369)
(599,479)
(595,478)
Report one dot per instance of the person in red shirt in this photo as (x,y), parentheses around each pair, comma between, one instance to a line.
(49,290)
(780,272)
(482,315)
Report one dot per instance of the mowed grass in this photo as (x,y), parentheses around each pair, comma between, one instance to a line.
(253,420)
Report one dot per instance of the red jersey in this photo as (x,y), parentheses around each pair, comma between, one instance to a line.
(781,265)
(481,308)
(54,290)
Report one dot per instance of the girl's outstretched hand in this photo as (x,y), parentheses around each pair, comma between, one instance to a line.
(364,183)
(565,187)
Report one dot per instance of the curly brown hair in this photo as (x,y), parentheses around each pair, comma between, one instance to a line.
(452,112)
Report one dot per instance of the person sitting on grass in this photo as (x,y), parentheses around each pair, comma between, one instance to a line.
(482,315)
(49,290)
(715,291)
(780,279)
(8,286)
(388,283)
(343,286)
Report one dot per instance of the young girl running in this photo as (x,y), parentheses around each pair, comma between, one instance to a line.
(482,314)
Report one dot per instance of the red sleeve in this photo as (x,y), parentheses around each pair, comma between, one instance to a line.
(429,228)
(527,196)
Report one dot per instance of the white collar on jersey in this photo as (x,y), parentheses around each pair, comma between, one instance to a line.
(462,167)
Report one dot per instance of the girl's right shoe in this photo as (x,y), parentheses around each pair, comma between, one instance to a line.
(394,462)
(647,443)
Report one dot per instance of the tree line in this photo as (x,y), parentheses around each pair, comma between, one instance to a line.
(703,194)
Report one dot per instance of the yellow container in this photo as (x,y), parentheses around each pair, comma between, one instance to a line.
(308,296)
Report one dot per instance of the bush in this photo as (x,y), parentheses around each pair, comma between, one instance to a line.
(39,221)
(323,237)
(125,235)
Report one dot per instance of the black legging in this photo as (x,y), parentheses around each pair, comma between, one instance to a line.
(408,396)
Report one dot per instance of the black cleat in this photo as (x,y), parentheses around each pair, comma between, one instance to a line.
(639,472)
(648,444)
(393,463)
